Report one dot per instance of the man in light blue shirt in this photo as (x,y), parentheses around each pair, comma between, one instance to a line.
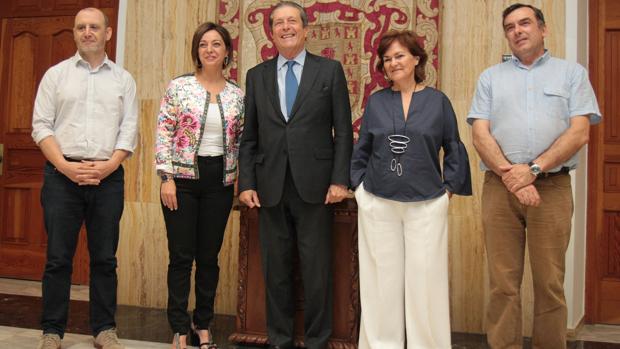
(530,116)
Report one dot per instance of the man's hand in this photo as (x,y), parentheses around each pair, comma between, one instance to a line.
(517,177)
(79,173)
(102,169)
(336,193)
(250,198)
(168,194)
(528,196)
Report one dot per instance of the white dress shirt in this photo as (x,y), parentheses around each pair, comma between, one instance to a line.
(90,111)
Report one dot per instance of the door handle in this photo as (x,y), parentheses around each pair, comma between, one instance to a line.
(1,157)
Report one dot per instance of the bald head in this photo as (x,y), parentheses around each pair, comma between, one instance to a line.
(106,21)
(91,32)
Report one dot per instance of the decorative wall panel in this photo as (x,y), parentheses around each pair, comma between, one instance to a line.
(611,113)
(22,80)
(612,234)
(348,31)
(611,174)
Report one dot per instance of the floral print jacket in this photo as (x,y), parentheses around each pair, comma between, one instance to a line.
(181,122)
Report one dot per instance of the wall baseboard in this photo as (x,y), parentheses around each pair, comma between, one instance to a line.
(571,333)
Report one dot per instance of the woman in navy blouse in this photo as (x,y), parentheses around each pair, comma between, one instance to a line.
(403,194)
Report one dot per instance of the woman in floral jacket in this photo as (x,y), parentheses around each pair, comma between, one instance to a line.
(198,130)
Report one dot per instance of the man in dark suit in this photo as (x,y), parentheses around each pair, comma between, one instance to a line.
(294,162)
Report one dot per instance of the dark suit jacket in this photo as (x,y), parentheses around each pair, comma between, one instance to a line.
(317,140)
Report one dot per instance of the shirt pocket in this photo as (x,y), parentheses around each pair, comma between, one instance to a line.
(555,101)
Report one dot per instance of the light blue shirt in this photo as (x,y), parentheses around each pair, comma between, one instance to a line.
(530,107)
(281,69)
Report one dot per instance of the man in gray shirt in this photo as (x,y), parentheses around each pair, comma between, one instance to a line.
(85,122)
(530,116)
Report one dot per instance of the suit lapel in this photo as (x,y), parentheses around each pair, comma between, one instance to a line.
(271,85)
(308,75)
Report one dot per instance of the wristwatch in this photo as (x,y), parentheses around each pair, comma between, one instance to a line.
(534,168)
(165,177)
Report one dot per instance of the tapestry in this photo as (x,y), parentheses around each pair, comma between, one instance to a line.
(345,30)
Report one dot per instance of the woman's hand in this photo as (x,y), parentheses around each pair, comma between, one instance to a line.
(169,194)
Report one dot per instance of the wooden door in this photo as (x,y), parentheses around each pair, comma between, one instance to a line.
(34,36)
(603,236)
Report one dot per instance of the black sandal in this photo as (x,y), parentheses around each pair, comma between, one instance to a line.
(195,338)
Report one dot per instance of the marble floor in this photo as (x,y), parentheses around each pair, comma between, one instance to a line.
(141,328)
(23,338)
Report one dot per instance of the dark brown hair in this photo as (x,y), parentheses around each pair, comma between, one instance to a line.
(409,40)
(200,31)
(537,12)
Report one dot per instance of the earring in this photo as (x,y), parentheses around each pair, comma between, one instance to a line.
(226,61)
(198,64)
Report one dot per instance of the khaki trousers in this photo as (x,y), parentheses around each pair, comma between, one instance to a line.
(545,230)
(403,256)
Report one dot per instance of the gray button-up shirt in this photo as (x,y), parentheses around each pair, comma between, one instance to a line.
(90,111)
(530,107)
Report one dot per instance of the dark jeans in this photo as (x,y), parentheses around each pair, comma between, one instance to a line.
(195,232)
(66,206)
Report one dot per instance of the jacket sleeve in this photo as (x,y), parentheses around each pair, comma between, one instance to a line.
(249,139)
(343,130)
(166,128)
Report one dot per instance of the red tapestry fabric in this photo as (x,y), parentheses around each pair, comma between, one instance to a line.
(348,31)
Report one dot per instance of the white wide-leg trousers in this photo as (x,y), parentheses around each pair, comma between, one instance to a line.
(403,259)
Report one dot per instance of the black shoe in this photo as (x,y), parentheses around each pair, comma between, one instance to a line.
(195,339)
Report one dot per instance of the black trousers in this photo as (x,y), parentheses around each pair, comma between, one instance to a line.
(309,226)
(66,206)
(195,233)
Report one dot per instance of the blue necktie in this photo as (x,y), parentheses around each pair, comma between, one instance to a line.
(290,88)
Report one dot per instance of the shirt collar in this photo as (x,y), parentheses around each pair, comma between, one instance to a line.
(300,59)
(540,60)
(81,61)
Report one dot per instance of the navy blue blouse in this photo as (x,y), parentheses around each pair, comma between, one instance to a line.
(431,126)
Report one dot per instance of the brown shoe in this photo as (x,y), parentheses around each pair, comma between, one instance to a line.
(108,340)
(49,341)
